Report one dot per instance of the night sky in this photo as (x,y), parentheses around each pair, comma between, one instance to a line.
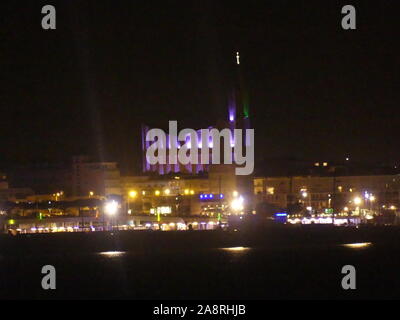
(316,90)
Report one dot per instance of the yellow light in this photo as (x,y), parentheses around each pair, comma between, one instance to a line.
(236,249)
(372,198)
(167,191)
(357,200)
(91,193)
(346,209)
(304,194)
(186,191)
(157,192)
(392,208)
(132,194)
(235,193)
(270,190)
(357,245)
(143,192)
(191,191)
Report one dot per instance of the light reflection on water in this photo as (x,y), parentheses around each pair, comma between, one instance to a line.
(357,245)
(236,249)
(112,254)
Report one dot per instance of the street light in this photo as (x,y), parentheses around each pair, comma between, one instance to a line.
(357,201)
(111,207)
(237,204)
(132,194)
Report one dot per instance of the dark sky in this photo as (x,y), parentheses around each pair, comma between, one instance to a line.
(316,90)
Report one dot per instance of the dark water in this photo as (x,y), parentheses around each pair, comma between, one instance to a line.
(262,272)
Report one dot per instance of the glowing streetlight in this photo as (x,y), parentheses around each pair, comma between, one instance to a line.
(186,191)
(167,191)
(304,194)
(237,204)
(132,194)
(157,192)
(111,207)
(372,198)
(91,193)
(357,201)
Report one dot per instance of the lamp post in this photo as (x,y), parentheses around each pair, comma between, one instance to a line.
(371,201)
(111,209)
(132,195)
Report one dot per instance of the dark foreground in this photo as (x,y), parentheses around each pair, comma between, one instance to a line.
(267,263)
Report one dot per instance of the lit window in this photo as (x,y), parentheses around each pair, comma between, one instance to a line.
(270,190)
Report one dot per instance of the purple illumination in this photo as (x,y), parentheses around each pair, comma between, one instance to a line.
(221,196)
(211,196)
(201,196)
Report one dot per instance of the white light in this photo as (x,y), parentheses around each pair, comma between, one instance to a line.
(111,207)
(357,200)
(237,204)
(112,253)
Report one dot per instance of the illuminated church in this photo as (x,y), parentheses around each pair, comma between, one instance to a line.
(237,117)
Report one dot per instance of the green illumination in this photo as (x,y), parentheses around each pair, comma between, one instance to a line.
(246,106)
